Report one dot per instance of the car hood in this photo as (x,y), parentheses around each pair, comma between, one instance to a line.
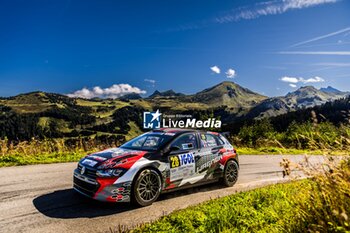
(111,157)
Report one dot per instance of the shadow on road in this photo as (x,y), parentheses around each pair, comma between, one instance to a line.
(67,203)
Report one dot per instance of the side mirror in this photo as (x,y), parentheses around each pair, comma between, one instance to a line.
(174,148)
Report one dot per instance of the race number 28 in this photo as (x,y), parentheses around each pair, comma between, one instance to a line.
(174,161)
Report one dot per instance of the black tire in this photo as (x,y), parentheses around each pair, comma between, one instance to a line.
(230,173)
(146,188)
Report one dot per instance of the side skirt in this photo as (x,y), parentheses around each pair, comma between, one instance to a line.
(190,186)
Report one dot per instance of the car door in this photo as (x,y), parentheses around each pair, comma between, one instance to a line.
(209,155)
(182,158)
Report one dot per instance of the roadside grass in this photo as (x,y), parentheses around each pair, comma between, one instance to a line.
(275,208)
(286,151)
(48,151)
(53,151)
(318,204)
(18,159)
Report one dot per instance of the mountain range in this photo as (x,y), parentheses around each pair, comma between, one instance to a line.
(68,116)
(304,97)
(235,98)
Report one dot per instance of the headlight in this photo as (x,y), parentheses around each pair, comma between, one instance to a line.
(115,172)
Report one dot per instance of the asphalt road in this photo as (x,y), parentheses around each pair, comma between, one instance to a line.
(40,198)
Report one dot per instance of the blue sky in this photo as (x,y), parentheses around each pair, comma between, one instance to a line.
(272,47)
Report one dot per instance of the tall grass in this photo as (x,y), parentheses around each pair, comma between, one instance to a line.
(310,135)
(328,207)
(50,150)
(269,209)
(320,204)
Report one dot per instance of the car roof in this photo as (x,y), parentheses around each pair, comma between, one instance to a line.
(180,130)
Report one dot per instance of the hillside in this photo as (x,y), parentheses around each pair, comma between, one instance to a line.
(237,99)
(336,112)
(40,114)
(229,94)
(34,102)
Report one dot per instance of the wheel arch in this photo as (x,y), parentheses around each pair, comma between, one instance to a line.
(133,197)
(147,166)
(234,159)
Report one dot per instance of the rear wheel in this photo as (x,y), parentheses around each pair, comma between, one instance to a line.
(146,188)
(230,173)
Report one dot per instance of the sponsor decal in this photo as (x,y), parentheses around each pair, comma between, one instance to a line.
(98,158)
(187,146)
(89,162)
(152,120)
(181,166)
(122,152)
(208,164)
(206,160)
(180,160)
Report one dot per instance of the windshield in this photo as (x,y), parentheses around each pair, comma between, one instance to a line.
(147,142)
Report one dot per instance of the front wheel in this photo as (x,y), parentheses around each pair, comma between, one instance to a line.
(147,187)
(230,173)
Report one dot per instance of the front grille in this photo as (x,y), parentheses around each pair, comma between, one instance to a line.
(85,187)
(89,172)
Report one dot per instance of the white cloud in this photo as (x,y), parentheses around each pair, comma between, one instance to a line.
(289,79)
(339,53)
(215,69)
(292,85)
(114,91)
(332,64)
(269,8)
(98,90)
(83,93)
(295,80)
(253,11)
(344,30)
(315,79)
(230,73)
(150,80)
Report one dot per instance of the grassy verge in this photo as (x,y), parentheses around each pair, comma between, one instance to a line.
(15,160)
(286,151)
(293,207)
(73,156)
(50,150)
(319,204)
(271,209)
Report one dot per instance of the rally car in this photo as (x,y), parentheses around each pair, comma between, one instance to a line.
(156,162)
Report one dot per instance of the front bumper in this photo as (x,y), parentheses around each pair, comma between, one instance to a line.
(101,189)
(85,185)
